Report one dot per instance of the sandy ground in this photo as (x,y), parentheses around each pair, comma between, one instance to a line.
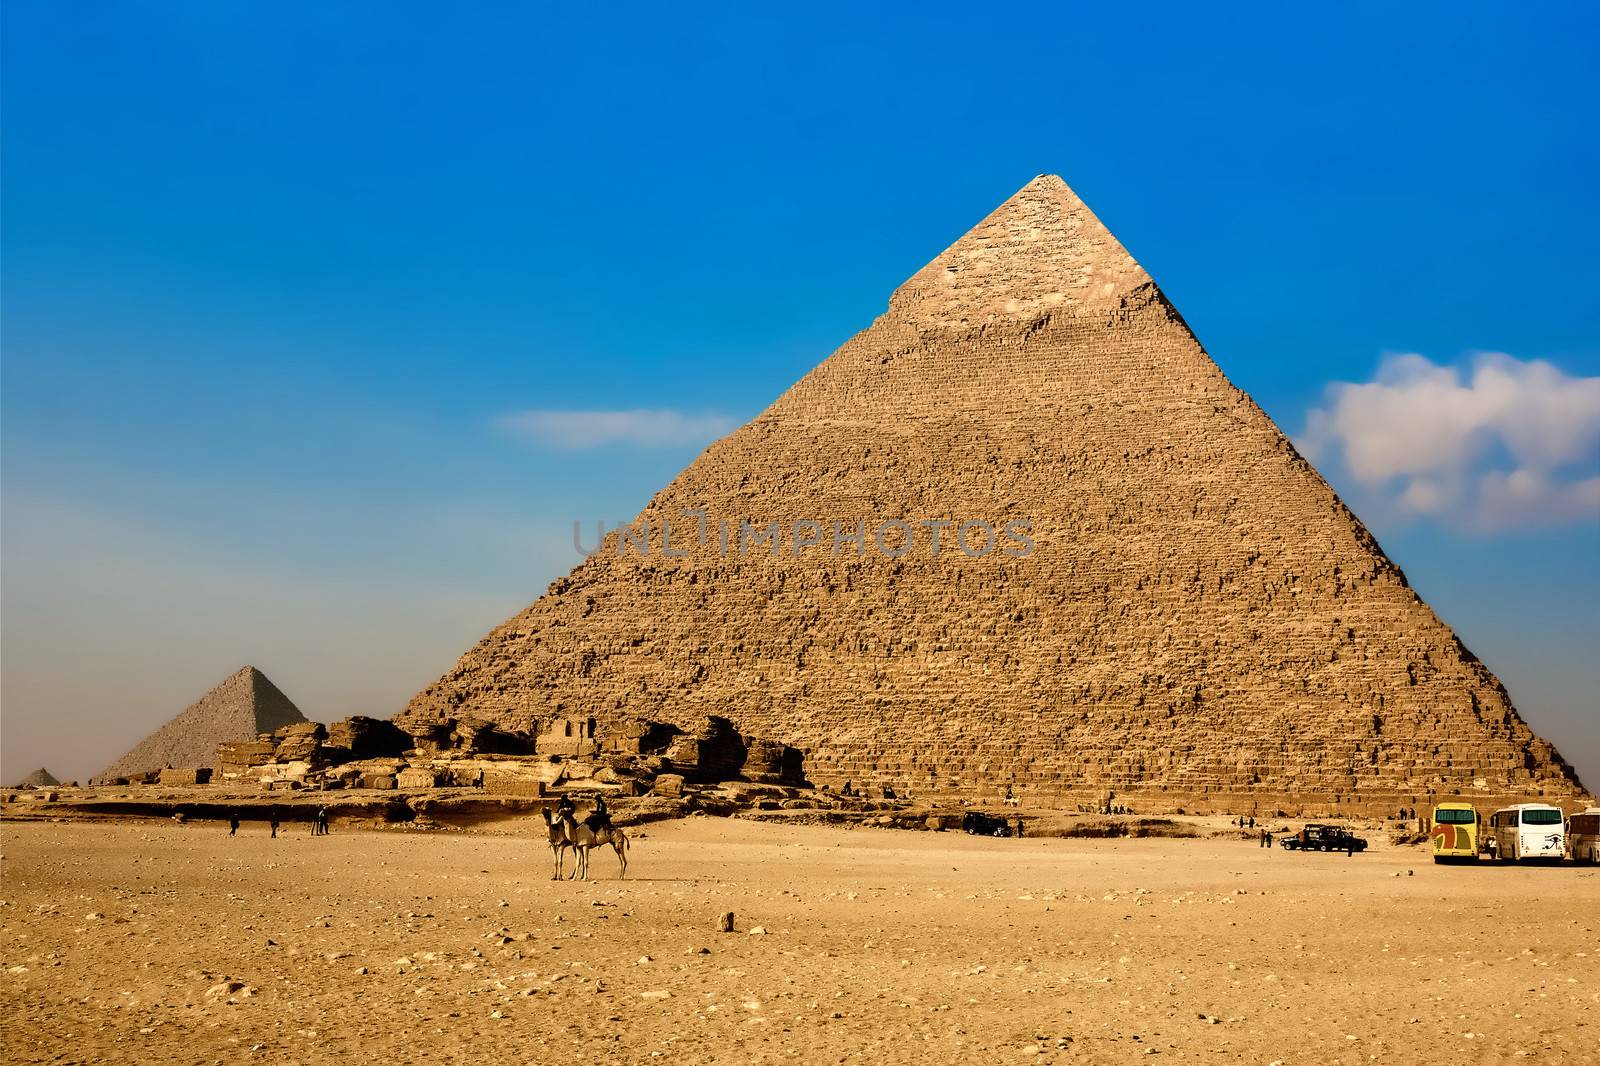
(151,942)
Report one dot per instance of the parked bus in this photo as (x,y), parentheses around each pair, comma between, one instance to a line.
(1456,831)
(1529,831)
(1583,836)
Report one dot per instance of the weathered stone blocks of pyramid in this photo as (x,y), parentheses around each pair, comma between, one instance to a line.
(1200,616)
(361,737)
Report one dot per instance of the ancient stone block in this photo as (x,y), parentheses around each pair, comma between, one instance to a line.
(367,738)
(567,736)
(415,777)
(771,762)
(510,785)
(194,776)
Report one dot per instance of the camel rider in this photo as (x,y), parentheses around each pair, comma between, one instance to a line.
(599,817)
(565,808)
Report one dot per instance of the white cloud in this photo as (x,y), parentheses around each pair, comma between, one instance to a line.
(1503,444)
(578,430)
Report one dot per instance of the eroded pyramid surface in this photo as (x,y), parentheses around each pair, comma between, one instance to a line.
(1200,614)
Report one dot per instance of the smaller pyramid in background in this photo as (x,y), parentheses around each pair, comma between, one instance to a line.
(40,778)
(239,708)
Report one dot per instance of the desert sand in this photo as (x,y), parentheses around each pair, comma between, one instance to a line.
(159,942)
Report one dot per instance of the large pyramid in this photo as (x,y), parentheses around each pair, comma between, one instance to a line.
(1200,615)
(238,708)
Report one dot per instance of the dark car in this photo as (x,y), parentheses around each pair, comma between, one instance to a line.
(980,824)
(1318,837)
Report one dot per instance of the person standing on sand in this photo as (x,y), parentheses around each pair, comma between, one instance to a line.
(274,824)
(322,820)
(233,824)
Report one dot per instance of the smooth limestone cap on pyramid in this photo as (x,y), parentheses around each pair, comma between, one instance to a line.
(237,709)
(1201,617)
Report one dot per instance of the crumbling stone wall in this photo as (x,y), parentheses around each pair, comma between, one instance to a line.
(360,737)
(567,735)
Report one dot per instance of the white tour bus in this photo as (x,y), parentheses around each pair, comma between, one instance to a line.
(1583,836)
(1529,831)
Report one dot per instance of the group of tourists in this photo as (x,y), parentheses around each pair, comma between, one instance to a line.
(850,791)
(319,823)
(599,817)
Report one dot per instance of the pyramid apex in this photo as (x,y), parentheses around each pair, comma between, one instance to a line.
(1039,252)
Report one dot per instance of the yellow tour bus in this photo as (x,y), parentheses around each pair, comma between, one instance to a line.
(1455,831)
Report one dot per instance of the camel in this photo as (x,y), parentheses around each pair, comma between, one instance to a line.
(560,841)
(585,837)
(581,837)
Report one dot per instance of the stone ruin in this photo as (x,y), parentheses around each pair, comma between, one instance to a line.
(568,736)
(422,752)
(1200,620)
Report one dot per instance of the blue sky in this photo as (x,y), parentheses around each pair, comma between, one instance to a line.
(279,280)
